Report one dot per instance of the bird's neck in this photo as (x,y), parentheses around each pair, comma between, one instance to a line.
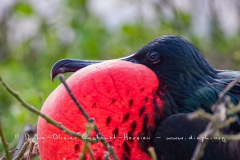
(179,88)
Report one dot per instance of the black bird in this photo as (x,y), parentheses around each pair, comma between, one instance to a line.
(188,82)
(187,132)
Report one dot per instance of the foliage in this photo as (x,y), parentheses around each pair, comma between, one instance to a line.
(78,33)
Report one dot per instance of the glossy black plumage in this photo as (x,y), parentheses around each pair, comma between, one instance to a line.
(187,131)
(187,81)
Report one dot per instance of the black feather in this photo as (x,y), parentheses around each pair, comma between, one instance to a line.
(187,82)
(180,126)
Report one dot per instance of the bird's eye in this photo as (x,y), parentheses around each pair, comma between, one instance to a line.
(154,57)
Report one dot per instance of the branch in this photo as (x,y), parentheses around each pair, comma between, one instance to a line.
(89,119)
(57,124)
(221,94)
(89,129)
(11,151)
(22,151)
(4,141)
(33,150)
(229,86)
(30,153)
(152,153)
(107,156)
(199,151)
(28,131)
(226,123)
(44,116)
(219,116)
(234,137)
(233,110)
(200,114)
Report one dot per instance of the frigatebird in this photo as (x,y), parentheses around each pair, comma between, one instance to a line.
(188,82)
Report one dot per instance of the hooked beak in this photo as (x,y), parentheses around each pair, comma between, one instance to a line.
(72,65)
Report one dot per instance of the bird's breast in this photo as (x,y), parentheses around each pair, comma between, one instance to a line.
(120,96)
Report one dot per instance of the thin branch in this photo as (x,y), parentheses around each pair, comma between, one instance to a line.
(229,86)
(233,110)
(226,123)
(29,155)
(107,156)
(33,151)
(44,116)
(28,131)
(89,119)
(221,94)
(199,151)
(234,137)
(89,128)
(219,115)
(11,151)
(152,153)
(57,124)
(91,153)
(22,151)
(4,141)
(200,114)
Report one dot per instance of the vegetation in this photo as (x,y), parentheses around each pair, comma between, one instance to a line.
(77,33)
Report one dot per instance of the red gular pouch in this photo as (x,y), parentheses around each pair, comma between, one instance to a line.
(119,95)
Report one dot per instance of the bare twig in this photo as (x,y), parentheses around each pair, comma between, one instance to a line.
(234,137)
(91,153)
(199,151)
(11,151)
(44,116)
(229,86)
(22,151)
(28,132)
(57,124)
(33,150)
(153,155)
(89,129)
(200,114)
(233,110)
(219,115)
(221,94)
(107,156)
(226,123)
(4,141)
(29,155)
(89,119)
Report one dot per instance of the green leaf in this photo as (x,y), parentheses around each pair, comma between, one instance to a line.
(24,8)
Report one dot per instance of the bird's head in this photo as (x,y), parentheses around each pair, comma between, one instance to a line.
(176,62)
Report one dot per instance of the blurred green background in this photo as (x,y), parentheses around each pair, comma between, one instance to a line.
(31,41)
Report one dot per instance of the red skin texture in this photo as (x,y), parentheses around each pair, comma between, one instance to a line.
(109,89)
